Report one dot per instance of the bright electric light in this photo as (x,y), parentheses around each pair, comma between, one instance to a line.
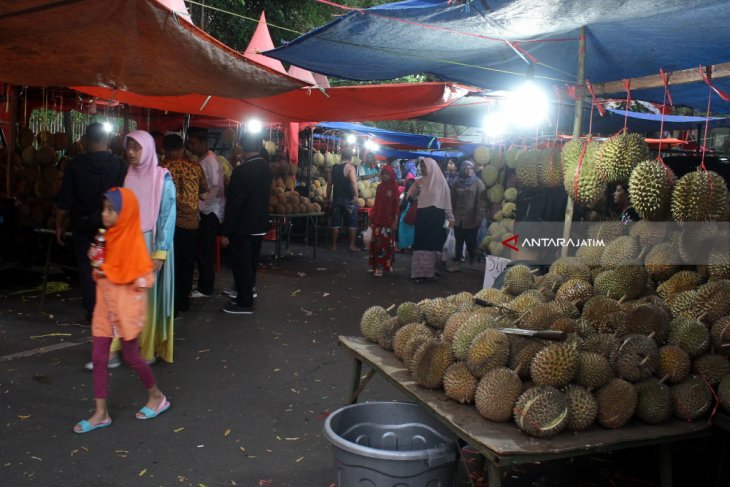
(527,106)
(371,146)
(494,126)
(351,139)
(107,127)
(254,126)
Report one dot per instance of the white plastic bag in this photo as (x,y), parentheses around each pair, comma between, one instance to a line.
(367,236)
(449,250)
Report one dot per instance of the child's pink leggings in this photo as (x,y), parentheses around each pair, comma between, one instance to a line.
(130,354)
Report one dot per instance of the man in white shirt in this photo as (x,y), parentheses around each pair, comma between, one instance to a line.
(211,211)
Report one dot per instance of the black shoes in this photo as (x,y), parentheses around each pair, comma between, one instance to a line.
(237,309)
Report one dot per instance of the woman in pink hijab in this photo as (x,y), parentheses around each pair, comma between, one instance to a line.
(433,218)
(155,190)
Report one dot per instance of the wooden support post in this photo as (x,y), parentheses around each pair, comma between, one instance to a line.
(11,142)
(309,162)
(356,371)
(577,121)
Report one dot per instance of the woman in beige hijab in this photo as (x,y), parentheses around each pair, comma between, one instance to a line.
(431,229)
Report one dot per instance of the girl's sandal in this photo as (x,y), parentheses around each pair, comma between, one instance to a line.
(84,426)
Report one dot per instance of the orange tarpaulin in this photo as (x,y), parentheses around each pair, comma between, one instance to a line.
(136,45)
(342,104)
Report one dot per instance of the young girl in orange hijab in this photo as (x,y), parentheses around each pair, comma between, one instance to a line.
(122,281)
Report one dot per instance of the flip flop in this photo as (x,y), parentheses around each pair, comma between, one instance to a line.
(148,413)
(85,426)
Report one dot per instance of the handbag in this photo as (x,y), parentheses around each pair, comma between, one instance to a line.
(410,218)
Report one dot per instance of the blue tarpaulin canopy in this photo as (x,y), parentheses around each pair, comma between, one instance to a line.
(402,138)
(489,43)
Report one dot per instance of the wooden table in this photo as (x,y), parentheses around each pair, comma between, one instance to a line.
(502,444)
(279,221)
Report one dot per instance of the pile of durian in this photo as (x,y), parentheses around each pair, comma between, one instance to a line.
(283,199)
(643,342)
(501,194)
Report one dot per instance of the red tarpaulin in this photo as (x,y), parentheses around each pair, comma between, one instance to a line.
(136,45)
(347,103)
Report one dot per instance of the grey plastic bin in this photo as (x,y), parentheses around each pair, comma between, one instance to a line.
(390,444)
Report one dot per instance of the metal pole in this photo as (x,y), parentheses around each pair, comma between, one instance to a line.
(12,135)
(577,121)
(202,15)
(309,162)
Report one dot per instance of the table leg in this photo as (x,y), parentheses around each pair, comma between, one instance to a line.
(494,475)
(356,371)
(306,230)
(316,235)
(665,465)
(277,243)
(46,270)
(288,233)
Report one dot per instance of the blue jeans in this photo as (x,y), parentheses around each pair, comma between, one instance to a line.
(346,208)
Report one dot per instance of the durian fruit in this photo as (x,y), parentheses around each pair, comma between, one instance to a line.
(571,267)
(409,312)
(522,303)
(459,384)
(691,399)
(635,358)
(607,231)
(528,169)
(405,334)
(662,261)
(690,335)
(518,279)
(550,170)
(699,196)
(540,317)
(463,300)
(582,183)
(430,362)
(521,355)
(437,312)
(568,325)
(508,210)
(554,365)
(318,158)
(541,411)
(620,251)
(582,408)
(619,156)
(679,282)
(616,403)
(683,304)
(497,393)
(488,350)
(648,319)
(510,157)
(386,333)
(723,393)
(711,367)
(489,175)
(577,291)
(594,370)
(495,194)
(674,364)
(493,296)
(712,301)
(453,324)
(466,333)
(590,255)
(371,321)
(413,345)
(510,194)
(651,185)
(720,333)
(649,233)
(482,155)
(654,403)
(600,343)
(625,281)
(603,314)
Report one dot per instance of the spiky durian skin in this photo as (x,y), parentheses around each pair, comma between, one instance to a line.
(679,282)
(371,320)
(582,181)
(404,335)
(409,312)
(674,364)
(699,196)
(594,370)
(550,169)
(488,350)
(691,399)
(689,334)
(635,358)
(497,393)
(651,190)
(616,403)
(430,362)
(619,155)
(723,393)
(541,411)
(518,279)
(711,367)
(720,332)
(582,407)
(554,365)
(654,404)
(459,383)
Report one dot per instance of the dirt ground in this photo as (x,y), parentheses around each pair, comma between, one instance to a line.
(249,393)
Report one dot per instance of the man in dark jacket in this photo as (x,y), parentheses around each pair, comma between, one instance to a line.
(246,220)
(87,177)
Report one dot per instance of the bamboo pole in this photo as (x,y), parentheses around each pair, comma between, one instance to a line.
(11,142)
(577,121)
